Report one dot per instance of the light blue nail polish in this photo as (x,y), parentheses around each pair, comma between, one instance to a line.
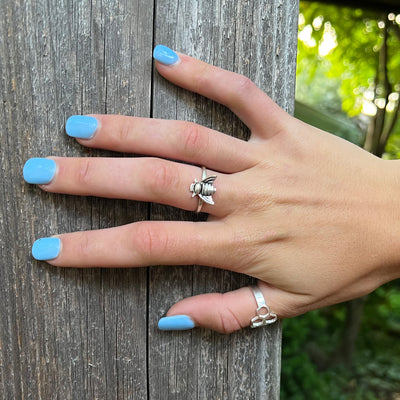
(46,248)
(39,171)
(165,55)
(176,323)
(81,126)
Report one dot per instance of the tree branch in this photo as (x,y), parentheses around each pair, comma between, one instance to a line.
(389,129)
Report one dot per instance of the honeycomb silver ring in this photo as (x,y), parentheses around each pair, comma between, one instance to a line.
(203,189)
(264,315)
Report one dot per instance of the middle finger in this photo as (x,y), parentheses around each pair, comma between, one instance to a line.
(142,179)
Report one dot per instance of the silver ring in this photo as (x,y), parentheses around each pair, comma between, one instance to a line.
(203,189)
(264,315)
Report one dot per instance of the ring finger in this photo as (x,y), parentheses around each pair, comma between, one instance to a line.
(141,179)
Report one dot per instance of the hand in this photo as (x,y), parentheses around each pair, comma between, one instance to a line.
(308,214)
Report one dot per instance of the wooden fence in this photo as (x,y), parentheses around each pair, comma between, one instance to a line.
(92,333)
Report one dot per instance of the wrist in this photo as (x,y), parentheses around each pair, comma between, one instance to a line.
(390,225)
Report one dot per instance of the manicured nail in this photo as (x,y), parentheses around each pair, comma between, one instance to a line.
(165,55)
(39,170)
(81,126)
(176,323)
(46,248)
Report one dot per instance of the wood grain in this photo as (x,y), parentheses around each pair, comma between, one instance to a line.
(257,39)
(91,334)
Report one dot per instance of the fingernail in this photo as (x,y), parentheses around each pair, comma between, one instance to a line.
(39,171)
(46,248)
(165,55)
(176,323)
(81,126)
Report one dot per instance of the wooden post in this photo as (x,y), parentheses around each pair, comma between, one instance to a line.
(91,333)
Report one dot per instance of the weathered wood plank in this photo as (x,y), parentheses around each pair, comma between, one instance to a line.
(257,39)
(73,334)
(77,334)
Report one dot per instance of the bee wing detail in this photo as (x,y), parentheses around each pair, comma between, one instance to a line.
(207,199)
(209,179)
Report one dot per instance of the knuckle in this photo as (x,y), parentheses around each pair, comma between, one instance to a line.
(165,178)
(202,78)
(150,240)
(228,321)
(195,142)
(84,248)
(243,85)
(84,172)
(125,131)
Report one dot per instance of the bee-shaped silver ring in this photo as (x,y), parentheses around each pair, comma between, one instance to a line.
(204,189)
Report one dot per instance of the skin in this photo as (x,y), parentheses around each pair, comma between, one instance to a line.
(315,220)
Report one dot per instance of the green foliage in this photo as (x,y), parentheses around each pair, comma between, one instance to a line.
(393,145)
(351,64)
(341,67)
(376,371)
(336,123)
(300,378)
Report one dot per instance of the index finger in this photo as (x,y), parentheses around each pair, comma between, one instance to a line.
(258,111)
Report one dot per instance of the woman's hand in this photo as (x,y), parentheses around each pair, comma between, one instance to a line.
(308,214)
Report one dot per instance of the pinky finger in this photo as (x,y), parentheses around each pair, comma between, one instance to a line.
(224,313)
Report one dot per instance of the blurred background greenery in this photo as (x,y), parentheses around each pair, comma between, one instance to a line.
(348,83)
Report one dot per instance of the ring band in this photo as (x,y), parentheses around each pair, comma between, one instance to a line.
(203,176)
(264,315)
(203,189)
